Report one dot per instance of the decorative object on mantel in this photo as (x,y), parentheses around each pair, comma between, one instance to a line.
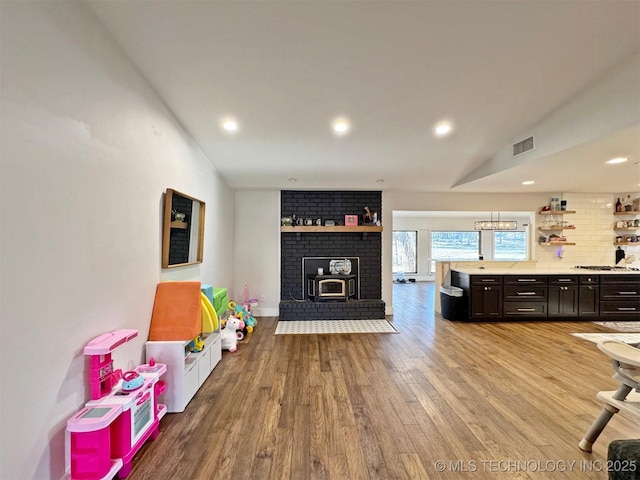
(367,218)
(351,220)
(370,217)
(286,221)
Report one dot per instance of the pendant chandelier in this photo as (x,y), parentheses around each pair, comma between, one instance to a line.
(495,224)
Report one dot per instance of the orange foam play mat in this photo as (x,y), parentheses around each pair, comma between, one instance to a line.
(177,312)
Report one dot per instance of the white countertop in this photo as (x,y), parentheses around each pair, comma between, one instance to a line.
(541,271)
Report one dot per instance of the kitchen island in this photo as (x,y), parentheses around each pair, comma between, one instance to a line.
(549,293)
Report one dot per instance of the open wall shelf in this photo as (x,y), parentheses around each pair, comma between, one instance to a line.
(556,212)
(548,244)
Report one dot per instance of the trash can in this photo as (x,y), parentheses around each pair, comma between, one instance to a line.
(452,303)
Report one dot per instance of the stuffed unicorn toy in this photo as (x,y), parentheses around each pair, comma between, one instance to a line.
(228,333)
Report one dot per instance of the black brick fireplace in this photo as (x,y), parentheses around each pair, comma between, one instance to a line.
(366,246)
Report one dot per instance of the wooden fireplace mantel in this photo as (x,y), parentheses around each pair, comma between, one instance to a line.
(337,228)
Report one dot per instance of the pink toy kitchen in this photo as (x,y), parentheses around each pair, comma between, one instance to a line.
(121,416)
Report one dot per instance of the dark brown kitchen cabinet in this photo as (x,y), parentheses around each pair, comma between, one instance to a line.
(579,296)
(588,296)
(486,296)
(525,280)
(524,309)
(524,296)
(620,296)
(563,301)
(486,301)
(563,296)
(525,293)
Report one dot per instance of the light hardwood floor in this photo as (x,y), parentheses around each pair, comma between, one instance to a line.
(488,400)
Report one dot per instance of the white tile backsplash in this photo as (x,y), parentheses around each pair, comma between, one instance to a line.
(594,235)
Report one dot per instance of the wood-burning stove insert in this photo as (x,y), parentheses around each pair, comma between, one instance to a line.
(337,285)
(331,287)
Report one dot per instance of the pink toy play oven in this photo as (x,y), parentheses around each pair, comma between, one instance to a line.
(122,414)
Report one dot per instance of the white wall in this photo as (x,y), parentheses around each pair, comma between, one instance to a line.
(87,151)
(257,249)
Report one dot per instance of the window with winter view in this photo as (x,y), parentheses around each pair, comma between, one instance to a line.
(405,251)
(509,245)
(447,245)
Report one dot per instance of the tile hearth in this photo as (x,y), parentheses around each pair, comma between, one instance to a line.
(334,326)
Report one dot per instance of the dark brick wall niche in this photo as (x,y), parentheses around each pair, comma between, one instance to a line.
(179,238)
(330,205)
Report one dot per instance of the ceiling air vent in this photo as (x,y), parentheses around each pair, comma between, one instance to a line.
(523,146)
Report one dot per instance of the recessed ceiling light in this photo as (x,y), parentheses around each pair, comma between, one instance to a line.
(229,125)
(528,182)
(617,160)
(341,126)
(293,180)
(443,128)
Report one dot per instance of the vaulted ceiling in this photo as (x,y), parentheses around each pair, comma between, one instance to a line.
(498,71)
